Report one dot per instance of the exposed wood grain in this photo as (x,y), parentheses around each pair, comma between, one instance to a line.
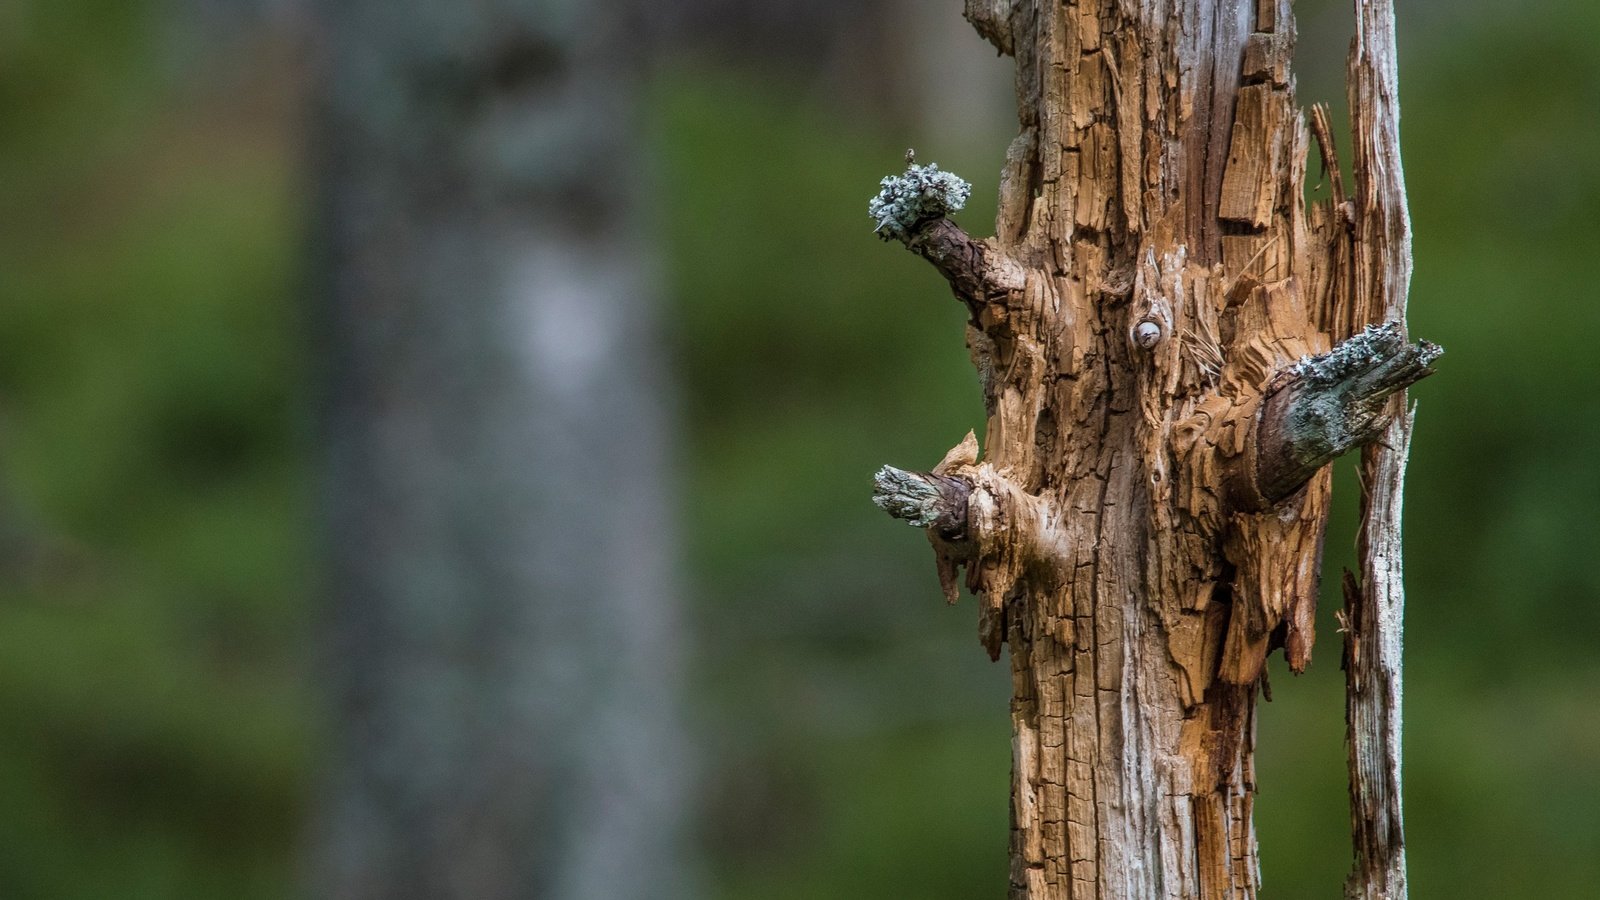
(1249,192)
(1381,277)
(1145,522)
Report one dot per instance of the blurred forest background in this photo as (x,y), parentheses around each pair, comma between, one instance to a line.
(160,566)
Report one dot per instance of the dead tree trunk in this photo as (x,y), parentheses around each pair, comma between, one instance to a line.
(1172,346)
(1378,248)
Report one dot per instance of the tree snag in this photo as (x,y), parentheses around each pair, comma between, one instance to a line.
(1378,247)
(1172,346)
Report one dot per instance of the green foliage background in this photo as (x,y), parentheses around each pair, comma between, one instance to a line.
(158,489)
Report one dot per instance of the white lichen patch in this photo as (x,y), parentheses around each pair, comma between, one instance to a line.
(1364,350)
(920,194)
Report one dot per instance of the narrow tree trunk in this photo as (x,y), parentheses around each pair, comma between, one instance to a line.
(1380,247)
(505,645)
(1154,326)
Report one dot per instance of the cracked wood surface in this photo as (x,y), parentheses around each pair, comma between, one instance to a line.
(1379,244)
(1152,327)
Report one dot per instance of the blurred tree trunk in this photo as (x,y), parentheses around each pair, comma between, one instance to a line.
(506,648)
(1172,347)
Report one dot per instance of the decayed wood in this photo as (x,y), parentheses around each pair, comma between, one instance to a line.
(1381,255)
(1372,649)
(1152,327)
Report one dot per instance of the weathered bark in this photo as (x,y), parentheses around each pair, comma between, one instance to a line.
(505,642)
(1154,326)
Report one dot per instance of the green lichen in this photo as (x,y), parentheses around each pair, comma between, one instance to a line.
(919,195)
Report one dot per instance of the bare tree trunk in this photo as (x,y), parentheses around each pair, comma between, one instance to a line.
(1172,347)
(1379,245)
(505,645)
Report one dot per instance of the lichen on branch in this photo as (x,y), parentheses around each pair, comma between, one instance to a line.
(926,500)
(1375,354)
(920,195)
(1334,402)
(913,208)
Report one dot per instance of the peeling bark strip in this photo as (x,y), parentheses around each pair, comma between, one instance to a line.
(1172,346)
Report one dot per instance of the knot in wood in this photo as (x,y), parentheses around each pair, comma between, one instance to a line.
(1147,334)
